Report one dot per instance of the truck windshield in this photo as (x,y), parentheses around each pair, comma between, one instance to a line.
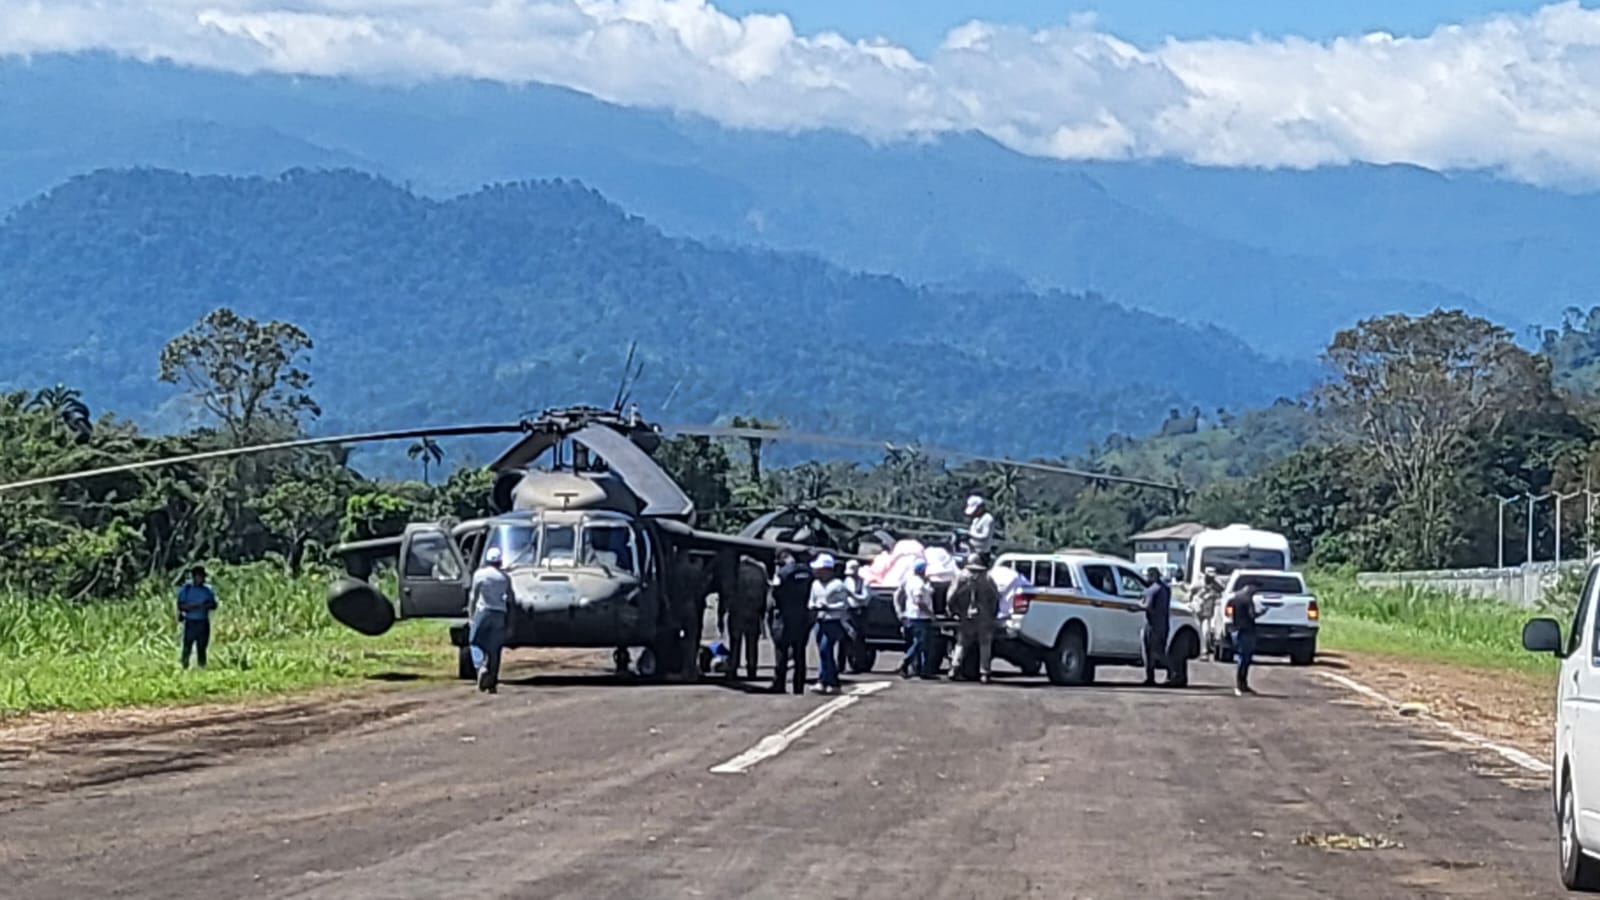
(1273,584)
(519,544)
(1227,560)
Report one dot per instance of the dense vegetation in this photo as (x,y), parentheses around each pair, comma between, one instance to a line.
(527,295)
(1387,464)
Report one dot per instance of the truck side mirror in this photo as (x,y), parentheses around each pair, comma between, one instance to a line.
(1542,636)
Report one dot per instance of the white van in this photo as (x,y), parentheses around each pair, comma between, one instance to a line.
(1226,550)
(1575,768)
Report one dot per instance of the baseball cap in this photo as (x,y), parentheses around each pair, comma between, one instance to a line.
(824,561)
(973,503)
(492,556)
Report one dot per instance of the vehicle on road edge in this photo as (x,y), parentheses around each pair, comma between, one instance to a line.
(1575,762)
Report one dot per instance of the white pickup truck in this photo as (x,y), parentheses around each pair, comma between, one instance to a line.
(1079,611)
(1287,625)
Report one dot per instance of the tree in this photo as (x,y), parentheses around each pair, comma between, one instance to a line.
(245,373)
(1413,393)
(429,451)
(300,511)
(65,406)
(752,444)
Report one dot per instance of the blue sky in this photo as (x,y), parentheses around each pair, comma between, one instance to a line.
(921,24)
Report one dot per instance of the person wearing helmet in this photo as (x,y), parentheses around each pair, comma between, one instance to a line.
(980,533)
(490,601)
(914,604)
(830,602)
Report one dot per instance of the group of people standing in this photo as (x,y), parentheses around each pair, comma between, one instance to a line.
(814,597)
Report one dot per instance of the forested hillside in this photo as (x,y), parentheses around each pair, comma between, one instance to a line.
(527,295)
(1283,258)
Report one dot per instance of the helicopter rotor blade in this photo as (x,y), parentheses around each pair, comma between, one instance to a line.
(299,444)
(775,434)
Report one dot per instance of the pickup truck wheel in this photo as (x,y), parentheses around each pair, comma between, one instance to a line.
(1303,652)
(1067,663)
(465,670)
(1578,872)
(1223,653)
(1178,659)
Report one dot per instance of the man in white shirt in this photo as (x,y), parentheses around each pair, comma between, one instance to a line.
(855,643)
(980,533)
(490,600)
(913,602)
(830,601)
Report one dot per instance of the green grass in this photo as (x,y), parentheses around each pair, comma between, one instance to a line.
(1426,624)
(271,634)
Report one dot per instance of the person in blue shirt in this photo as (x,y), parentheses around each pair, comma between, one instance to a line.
(196,600)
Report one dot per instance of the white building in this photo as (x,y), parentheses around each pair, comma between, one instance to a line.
(1164,547)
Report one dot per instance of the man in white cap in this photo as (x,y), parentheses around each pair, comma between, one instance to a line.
(830,602)
(980,534)
(490,600)
(855,644)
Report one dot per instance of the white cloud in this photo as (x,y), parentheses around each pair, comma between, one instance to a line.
(1520,93)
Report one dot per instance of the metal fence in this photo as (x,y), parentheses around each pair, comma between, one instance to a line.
(1523,586)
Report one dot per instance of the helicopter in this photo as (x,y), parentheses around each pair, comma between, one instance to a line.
(602,545)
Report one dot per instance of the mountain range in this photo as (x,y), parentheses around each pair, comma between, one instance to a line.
(1280,258)
(524,295)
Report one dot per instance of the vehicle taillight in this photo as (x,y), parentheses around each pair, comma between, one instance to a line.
(1020,604)
(1311,611)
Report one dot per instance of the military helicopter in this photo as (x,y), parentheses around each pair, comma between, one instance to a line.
(602,545)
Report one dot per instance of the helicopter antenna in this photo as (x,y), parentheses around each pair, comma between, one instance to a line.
(622,386)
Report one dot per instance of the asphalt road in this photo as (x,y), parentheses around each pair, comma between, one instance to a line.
(574,786)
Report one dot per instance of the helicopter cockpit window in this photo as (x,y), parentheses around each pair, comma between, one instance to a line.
(430,557)
(560,544)
(610,545)
(519,544)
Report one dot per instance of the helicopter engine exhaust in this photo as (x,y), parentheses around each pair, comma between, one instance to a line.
(360,606)
(502,498)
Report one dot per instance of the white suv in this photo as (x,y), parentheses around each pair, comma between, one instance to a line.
(1081,612)
(1575,782)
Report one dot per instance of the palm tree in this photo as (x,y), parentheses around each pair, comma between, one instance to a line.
(429,452)
(752,444)
(1003,485)
(64,405)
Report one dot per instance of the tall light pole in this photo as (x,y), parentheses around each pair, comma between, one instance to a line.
(1500,546)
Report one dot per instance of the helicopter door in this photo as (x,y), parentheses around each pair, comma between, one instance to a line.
(433,581)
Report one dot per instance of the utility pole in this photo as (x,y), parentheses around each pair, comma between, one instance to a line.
(1559,499)
(1500,545)
(1531,501)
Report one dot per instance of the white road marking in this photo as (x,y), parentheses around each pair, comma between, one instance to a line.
(1511,754)
(773,744)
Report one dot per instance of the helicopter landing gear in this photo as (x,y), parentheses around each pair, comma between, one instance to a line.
(622,659)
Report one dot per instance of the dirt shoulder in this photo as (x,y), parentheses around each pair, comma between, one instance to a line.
(1511,707)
